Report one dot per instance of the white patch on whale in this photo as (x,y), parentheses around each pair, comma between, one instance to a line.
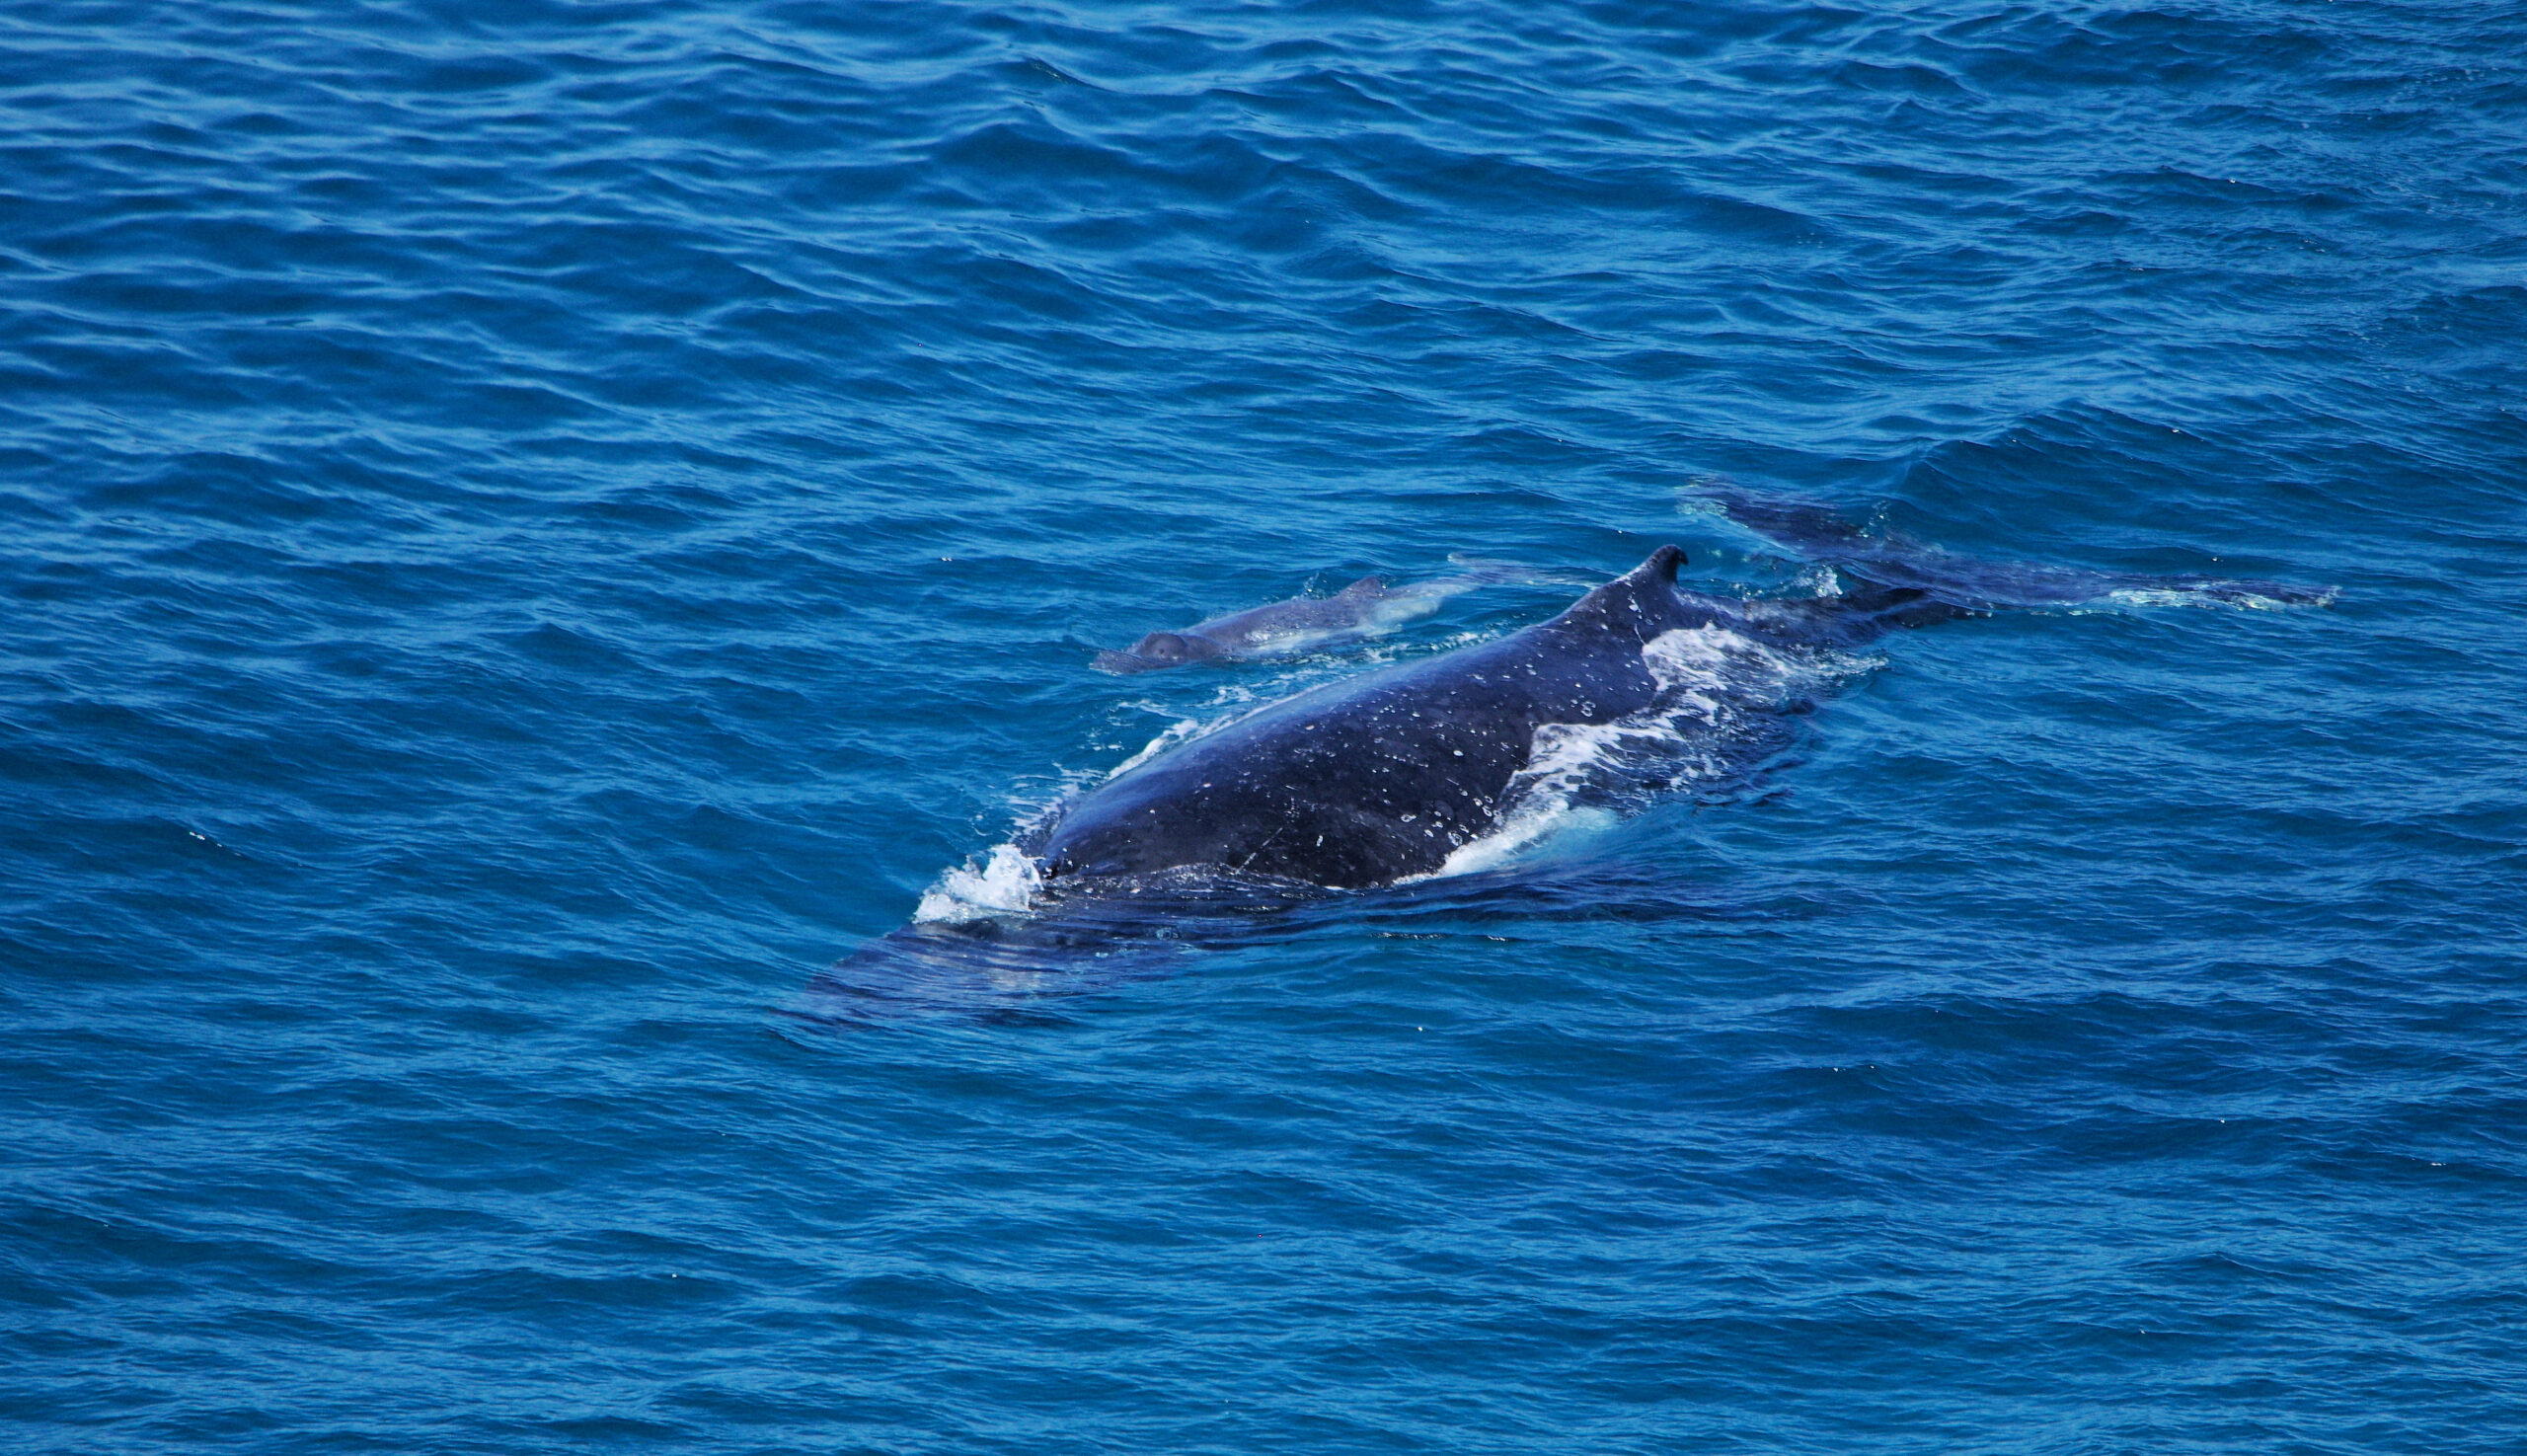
(1712,681)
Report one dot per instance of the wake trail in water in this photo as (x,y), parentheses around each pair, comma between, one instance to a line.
(1886,559)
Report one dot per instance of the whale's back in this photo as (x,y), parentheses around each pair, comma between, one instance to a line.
(1376,778)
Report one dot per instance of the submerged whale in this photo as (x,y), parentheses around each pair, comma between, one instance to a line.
(1278,627)
(1444,764)
(1368,607)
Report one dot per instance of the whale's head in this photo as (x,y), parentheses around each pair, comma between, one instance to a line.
(1160,649)
(1175,646)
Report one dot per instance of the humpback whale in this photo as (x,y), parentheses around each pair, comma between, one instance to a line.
(1384,776)
(1436,765)
(1281,626)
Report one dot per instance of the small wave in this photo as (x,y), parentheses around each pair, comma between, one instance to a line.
(1175,732)
(1005,882)
(2244,597)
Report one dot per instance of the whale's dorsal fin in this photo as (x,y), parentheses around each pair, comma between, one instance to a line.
(1659,568)
(1642,599)
(1365,587)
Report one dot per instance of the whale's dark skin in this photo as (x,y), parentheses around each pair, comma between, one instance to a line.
(1381,776)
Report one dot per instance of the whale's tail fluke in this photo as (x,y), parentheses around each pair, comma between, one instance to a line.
(1889,561)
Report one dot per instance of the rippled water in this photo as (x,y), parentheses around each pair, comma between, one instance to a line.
(530,530)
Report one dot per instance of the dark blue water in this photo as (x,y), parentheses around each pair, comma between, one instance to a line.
(528,530)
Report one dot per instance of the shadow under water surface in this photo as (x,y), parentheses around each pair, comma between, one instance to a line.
(1085,936)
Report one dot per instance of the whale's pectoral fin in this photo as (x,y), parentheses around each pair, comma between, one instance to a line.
(1891,562)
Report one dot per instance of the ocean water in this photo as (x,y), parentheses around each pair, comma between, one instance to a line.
(528,531)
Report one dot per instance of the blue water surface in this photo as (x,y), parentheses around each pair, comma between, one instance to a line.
(529,530)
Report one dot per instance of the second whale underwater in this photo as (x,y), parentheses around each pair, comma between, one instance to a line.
(1437,765)
(1366,608)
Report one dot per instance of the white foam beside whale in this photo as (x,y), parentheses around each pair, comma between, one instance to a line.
(1715,684)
